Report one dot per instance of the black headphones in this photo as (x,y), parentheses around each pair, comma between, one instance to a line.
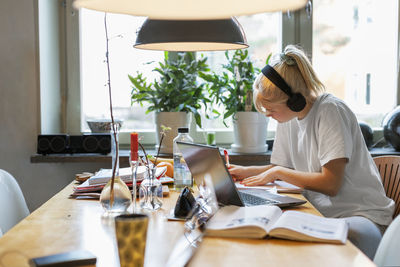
(296,101)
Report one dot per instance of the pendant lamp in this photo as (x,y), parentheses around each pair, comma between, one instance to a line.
(189,9)
(191,35)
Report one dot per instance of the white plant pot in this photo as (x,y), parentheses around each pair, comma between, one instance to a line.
(174,120)
(250,132)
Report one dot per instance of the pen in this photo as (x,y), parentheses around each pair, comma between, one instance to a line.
(226,158)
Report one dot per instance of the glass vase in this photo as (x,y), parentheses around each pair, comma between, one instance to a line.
(115,198)
(150,191)
(118,200)
(115,150)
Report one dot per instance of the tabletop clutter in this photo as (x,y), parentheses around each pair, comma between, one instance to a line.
(201,213)
(89,182)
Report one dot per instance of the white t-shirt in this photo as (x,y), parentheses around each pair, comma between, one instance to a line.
(331,131)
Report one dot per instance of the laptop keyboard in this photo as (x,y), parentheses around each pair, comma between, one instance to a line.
(255,200)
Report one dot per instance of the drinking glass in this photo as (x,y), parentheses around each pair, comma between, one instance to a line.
(131,233)
(211,138)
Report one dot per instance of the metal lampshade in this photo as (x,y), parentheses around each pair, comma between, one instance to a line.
(189,9)
(191,35)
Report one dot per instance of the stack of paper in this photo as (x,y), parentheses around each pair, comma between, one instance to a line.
(85,187)
(103,175)
(98,181)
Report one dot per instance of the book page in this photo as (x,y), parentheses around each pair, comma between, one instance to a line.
(231,217)
(315,227)
(276,187)
(285,186)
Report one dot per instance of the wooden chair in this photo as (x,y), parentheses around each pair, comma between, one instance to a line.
(389,168)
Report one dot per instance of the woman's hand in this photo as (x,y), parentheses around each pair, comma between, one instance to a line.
(328,181)
(261,179)
(238,172)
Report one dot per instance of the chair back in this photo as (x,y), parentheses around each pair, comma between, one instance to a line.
(13,207)
(387,253)
(389,168)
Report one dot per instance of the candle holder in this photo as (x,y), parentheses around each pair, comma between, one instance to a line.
(134,163)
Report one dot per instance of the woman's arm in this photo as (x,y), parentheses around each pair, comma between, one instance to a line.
(328,181)
(241,172)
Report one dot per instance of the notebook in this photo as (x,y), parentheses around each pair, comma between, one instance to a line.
(206,160)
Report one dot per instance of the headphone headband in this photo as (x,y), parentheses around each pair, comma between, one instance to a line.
(296,101)
(277,79)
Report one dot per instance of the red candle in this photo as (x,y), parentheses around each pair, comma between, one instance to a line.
(134,146)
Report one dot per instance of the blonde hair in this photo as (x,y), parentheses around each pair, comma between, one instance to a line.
(295,68)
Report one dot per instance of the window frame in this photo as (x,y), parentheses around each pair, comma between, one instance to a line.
(296,28)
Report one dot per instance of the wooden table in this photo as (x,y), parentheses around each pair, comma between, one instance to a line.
(64,224)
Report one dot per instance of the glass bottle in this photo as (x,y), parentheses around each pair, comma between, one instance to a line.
(115,198)
(150,191)
(182,174)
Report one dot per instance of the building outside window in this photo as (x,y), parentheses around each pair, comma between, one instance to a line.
(355,46)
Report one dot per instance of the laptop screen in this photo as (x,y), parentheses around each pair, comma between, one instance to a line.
(203,160)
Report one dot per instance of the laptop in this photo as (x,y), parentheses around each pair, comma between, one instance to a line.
(206,160)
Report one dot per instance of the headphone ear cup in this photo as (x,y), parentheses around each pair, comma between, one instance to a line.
(296,102)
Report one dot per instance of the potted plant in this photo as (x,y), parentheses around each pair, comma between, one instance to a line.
(175,95)
(233,89)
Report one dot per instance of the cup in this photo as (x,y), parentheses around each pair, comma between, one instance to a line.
(211,138)
(131,233)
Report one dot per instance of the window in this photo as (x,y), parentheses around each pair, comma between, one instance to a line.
(355,57)
(355,54)
(262,33)
(124,60)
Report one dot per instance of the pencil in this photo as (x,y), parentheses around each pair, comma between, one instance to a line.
(226,158)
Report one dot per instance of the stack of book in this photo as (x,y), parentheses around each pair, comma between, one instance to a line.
(100,179)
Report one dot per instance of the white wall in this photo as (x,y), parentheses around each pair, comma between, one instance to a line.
(20,108)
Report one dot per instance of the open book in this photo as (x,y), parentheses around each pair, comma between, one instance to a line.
(262,221)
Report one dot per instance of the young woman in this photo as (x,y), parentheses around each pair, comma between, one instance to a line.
(319,147)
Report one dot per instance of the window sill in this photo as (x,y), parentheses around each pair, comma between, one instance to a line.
(235,158)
